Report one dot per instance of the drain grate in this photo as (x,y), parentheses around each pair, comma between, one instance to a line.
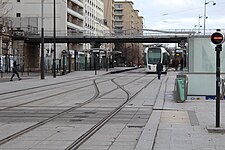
(135,126)
(80,116)
(90,112)
(75,120)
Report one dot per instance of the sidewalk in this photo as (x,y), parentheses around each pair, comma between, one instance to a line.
(5,77)
(182,126)
(172,125)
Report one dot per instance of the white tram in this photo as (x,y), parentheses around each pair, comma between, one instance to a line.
(153,55)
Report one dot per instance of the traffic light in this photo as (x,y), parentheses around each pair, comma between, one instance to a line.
(217,38)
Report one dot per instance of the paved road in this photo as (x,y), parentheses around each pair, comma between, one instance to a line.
(52,113)
(150,120)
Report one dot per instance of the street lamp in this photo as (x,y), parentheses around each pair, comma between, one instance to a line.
(199,24)
(205,12)
(42,40)
(54,39)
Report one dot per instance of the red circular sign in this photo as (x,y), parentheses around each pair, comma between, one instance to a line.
(217,38)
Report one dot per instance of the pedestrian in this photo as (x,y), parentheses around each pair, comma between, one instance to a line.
(176,63)
(181,63)
(15,71)
(159,69)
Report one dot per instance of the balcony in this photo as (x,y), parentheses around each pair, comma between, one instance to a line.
(74,26)
(78,2)
(75,14)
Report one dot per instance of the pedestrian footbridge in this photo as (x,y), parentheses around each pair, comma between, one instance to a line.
(126,36)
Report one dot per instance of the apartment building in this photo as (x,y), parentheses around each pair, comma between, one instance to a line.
(84,17)
(94,24)
(128,22)
(25,16)
(126,18)
(109,14)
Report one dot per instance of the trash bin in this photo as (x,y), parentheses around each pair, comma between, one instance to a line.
(181,86)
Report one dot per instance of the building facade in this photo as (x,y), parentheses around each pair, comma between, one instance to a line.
(109,14)
(128,22)
(94,20)
(85,17)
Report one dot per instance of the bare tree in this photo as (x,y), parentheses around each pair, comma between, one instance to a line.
(3,8)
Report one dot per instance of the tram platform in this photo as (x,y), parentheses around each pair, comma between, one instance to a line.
(172,125)
(187,126)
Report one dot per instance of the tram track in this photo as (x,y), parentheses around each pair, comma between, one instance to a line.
(50,96)
(46,85)
(15,135)
(95,96)
(77,143)
(54,95)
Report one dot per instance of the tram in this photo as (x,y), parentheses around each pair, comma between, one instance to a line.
(153,55)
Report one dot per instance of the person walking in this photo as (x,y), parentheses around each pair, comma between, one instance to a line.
(176,63)
(181,64)
(159,69)
(15,71)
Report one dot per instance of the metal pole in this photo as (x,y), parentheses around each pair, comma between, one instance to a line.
(85,66)
(54,36)
(218,49)
(42,40)
(138,55)
(204,15)
(1,39)
(106,61)
(75,60)
(69,63)
(95,63)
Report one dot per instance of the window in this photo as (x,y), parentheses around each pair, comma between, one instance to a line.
(18,14)
(118,12)
(118,18)
(154,55)
(118,23)
(18,0)
(118,6)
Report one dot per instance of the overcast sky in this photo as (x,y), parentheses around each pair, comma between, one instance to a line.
(180,14)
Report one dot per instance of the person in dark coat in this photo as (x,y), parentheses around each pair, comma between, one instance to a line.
(181,64)
(176,63)
(15,71)
(159,69)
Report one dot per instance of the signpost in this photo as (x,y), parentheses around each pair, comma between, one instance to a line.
(95,51)
(217,38)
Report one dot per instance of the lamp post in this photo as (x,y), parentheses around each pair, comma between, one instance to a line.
(205,12)
(54,37)
(42,40)
(199,24)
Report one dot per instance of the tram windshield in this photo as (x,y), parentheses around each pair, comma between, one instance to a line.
(154,55)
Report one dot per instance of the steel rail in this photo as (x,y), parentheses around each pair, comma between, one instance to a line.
(15,135)
(76,144)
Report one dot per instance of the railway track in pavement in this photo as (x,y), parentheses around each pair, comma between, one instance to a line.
(95,97)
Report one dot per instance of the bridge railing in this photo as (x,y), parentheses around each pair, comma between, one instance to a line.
(127,33)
